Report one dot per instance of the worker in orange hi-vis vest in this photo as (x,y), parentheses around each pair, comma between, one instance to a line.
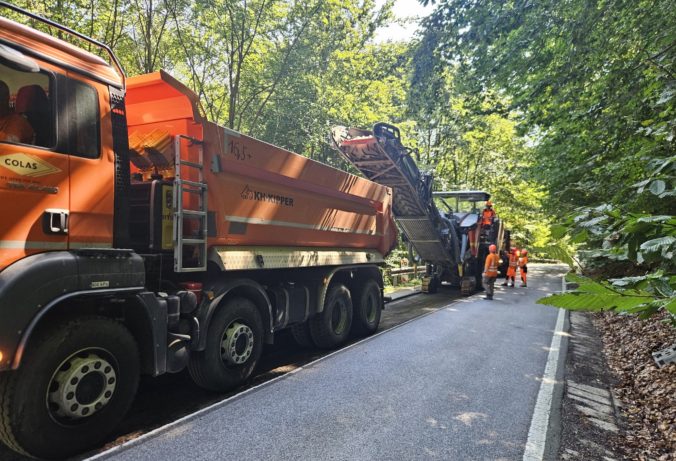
(523,267)
(511,269)
(488,215)
(491,271)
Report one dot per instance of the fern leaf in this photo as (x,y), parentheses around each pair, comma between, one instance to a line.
(594,302)
(659,244)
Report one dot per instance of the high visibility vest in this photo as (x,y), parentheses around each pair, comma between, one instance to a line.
(492,261)
(513,260)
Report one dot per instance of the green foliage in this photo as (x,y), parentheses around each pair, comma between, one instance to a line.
(559,251)
(643,295)
(590,87)
(644,243)
(591,82)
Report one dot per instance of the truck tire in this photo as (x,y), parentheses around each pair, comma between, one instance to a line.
(301,334)
(367,308)
(234,345)
(331,327)
(76,383)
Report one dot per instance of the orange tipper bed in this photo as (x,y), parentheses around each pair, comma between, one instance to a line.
(260,194)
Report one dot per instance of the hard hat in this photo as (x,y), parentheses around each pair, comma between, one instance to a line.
(524,252)
(489,203)
(514,250)
(492,248)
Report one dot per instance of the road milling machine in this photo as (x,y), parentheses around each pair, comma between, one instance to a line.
(451,241)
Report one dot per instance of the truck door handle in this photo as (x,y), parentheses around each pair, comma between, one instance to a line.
(55,221)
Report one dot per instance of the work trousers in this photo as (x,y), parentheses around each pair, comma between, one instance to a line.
(489,285)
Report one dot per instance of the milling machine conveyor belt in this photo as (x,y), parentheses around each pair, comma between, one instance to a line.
(381,157)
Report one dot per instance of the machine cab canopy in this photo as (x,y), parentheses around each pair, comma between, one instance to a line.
(464,201)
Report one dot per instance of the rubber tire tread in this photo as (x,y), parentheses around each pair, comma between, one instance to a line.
(6,434)
(360,326)
(200,366)
(320,328)
(301,334)
(9,379)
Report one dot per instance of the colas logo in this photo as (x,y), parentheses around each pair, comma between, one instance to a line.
(27,165)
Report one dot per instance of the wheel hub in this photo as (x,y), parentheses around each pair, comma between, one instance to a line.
(237,344)
(82,386)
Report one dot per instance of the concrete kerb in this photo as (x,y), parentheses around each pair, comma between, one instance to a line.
(544,435)
(401,294)
(554,427)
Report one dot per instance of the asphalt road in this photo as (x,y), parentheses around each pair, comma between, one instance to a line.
(161,400)
(459,383)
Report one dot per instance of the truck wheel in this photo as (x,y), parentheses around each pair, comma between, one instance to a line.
(234,345)
(367,308)
(301,334)
(331,327)
(76,383)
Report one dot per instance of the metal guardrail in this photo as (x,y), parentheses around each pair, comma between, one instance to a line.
(415,270)
(396,274)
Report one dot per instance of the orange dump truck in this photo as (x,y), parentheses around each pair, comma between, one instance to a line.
(139,238)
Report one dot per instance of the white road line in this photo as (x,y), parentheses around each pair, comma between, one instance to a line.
(537,434)
(157,431)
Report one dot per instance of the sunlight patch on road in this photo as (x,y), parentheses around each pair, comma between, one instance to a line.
(470,417)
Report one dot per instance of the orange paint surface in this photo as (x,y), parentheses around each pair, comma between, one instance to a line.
(36,179)
(262,194)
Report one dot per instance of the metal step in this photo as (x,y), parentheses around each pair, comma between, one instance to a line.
(198,185)
(194,213)
(193,241)
(191,164)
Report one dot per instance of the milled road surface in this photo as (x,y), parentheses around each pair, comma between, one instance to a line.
(459,383)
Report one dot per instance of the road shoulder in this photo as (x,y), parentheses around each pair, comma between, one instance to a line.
(590,421)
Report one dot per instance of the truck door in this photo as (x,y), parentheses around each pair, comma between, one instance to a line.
(92,180)
(34,173)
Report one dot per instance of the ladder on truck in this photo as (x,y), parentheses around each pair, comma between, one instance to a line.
(196,245)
